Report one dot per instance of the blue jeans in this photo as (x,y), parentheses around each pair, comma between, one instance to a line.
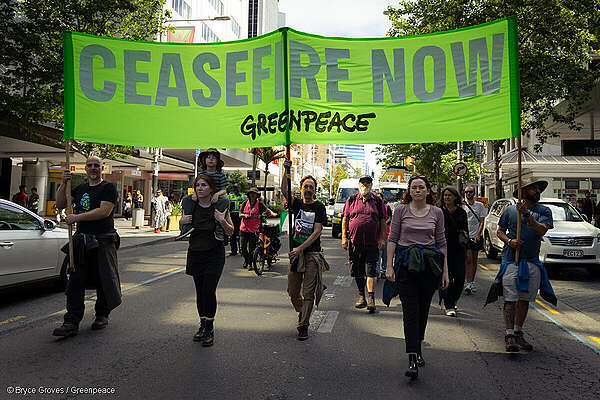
(382,261)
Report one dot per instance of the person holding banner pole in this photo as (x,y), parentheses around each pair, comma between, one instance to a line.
(95,246)
(521,273)
(304,281)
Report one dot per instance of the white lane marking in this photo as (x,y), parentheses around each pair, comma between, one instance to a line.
(344,281)
(21,323)
(329,321)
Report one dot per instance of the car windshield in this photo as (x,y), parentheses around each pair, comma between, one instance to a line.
(563,212)
(344,193)
(392,194)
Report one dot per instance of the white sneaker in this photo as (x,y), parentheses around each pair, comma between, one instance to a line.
(469,288)
(451,313)
(473,288)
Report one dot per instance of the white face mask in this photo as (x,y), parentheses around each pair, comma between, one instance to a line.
(364,190)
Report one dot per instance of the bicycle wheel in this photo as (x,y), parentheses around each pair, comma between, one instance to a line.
(258,260)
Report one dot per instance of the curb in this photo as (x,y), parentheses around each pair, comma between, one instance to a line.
(148,243)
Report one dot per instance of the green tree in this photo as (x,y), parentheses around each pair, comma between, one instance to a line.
(326,181)
(31,59)
(433,160)
(237,177)
(555,40)
(267,155)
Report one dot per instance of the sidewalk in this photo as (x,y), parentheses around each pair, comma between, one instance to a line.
(145,236)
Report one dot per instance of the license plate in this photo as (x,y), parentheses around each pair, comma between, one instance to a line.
(573,253)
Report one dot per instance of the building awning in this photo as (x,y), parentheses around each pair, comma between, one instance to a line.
(531,159)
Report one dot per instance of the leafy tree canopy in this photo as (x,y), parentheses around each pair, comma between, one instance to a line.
(31,60)
(555,40)
(433,160)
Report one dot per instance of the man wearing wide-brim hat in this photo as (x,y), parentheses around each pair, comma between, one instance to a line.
(520,279)
(250,213)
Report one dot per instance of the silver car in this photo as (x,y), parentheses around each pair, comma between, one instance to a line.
(572,241)
(30,247)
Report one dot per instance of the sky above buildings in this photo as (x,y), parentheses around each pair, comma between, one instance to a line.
(345,18)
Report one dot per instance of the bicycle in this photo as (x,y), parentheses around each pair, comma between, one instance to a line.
(267,246)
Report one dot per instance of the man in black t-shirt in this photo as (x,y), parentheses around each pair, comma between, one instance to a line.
(309,216)
(95,246)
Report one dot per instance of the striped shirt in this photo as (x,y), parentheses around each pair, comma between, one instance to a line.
(221,181)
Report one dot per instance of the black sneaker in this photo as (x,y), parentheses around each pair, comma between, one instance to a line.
(302,333)
(99,323)
(209,338)
(510,342)
(66,329)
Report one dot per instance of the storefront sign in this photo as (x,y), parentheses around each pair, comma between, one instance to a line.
(446,86)
(581,148)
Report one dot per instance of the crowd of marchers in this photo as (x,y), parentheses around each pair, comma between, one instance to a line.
(417,249)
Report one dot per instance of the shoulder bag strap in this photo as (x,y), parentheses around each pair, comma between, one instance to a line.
(476,216)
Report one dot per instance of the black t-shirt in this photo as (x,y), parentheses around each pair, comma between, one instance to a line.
(87,198)
(305,217)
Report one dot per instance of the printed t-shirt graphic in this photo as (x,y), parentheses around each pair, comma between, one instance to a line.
(305,221)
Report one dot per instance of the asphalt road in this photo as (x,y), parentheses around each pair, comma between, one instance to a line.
(147,351)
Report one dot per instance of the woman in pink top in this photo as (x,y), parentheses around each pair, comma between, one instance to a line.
(416,223)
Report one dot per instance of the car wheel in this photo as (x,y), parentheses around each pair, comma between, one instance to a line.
(488,247)
(61,282)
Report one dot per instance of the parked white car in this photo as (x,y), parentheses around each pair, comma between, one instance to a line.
(572,241)
(30,247)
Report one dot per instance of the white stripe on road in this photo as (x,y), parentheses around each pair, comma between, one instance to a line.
(21,323)
(329,321)
(344,281)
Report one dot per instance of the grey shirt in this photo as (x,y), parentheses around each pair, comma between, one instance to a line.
(408,229)
(472,221)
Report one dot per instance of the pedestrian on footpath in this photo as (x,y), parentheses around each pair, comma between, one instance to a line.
(139,199)
(250,213)
(382,260)
(33,202)
(95,245)
(206,252)
(588,206)
(457,238)
(476,213)
(236,199)
(305,283)
(127,206)
(211,165)
(417,264)
(520,282)
(364,225)
(20,198)
(159,205)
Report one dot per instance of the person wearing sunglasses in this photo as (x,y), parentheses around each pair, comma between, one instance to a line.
(476,213)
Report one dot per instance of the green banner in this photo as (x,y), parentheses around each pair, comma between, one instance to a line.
(289,86)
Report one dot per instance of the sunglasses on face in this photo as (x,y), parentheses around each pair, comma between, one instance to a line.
(469,191)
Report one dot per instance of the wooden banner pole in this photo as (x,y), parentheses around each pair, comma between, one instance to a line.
(69,205)
(519,178)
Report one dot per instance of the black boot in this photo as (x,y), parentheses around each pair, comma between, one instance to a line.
(66,329)
(413,370)
(200,334)
(209,334)
(420,360)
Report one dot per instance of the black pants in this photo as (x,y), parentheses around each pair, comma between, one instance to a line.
(235,236)
(76,292)
(456,272)
(207,268)
(249,241)
(416,291)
